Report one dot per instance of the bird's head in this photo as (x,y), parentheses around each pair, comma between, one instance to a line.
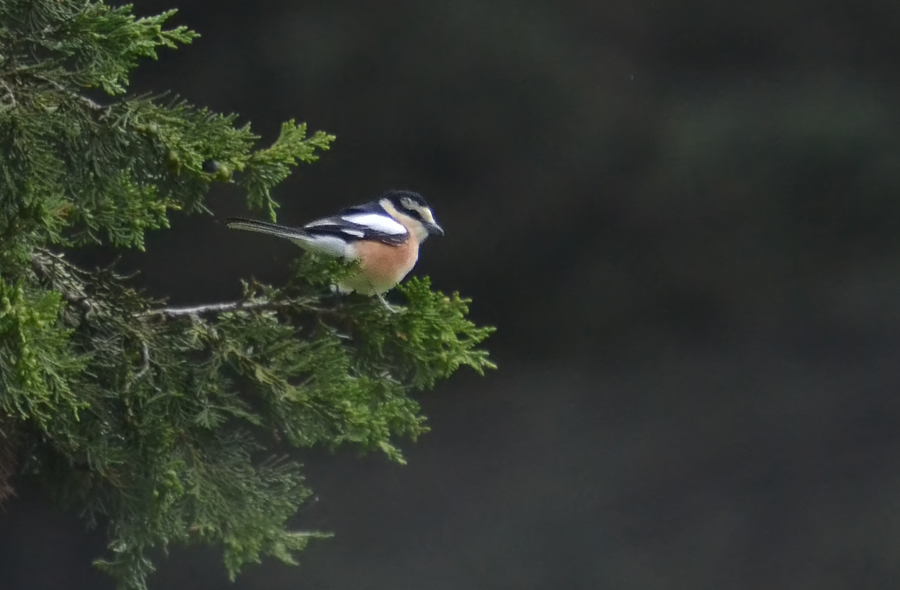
(410,205)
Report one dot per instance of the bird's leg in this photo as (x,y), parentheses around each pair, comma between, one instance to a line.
(387,305)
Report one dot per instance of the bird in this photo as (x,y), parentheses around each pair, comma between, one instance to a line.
(384,235)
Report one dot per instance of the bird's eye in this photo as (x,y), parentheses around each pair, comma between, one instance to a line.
(408,204)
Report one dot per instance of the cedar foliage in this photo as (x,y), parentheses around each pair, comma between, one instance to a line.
(161,423)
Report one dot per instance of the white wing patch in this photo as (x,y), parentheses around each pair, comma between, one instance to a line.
(376,222)
(353,232)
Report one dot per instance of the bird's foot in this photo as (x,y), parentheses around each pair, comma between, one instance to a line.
(387,305)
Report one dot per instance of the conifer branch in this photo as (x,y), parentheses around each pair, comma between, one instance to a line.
(162,428)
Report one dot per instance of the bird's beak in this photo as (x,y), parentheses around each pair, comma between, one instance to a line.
(434,229)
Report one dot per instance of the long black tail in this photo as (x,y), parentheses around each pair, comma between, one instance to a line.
(264,227)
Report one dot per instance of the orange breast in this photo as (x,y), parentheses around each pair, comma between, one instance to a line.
(382,266)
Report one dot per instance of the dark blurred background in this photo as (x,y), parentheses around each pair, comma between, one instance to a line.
(683,218)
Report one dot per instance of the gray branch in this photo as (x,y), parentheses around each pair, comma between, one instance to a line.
(94,106)
(145,366)
(61,276)
(198,310)
(10,95)
(145,359)
(54,268)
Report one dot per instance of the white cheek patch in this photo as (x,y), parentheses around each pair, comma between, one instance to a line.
(376,222)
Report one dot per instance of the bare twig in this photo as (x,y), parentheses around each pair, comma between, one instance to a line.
(45,263)
(61,274)
(145,365)
(145,357)
(198,310)
(13,103)
(94,106)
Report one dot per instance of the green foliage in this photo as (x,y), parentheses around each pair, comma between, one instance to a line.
(270,166)
(162,423)
(34,354)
